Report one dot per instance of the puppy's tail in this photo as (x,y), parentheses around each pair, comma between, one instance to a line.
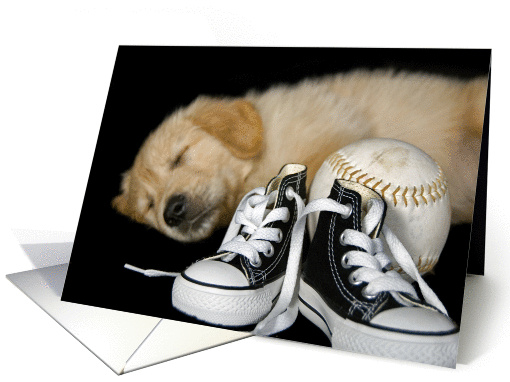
(475,93)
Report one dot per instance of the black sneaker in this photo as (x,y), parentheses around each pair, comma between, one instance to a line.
(240,285)
(346,290)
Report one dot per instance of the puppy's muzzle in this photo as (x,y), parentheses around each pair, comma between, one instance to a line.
(175,210)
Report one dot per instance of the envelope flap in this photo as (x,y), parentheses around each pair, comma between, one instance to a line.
(172,339)
(111,335)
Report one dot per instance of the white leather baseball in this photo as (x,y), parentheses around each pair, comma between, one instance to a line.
(412,185)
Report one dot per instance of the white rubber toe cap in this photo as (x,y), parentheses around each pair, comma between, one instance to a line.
(216,273)
(414,319)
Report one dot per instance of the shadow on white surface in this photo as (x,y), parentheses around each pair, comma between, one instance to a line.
(123,341)
(477,311)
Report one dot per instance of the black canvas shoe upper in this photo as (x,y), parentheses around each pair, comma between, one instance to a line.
(272,266)
(327,272)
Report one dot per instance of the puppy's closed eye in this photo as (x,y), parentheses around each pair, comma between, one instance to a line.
(179,159)
(150,203)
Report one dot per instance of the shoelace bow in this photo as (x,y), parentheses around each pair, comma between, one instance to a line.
(372,262)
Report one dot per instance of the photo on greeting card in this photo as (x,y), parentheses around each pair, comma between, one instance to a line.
(320,195)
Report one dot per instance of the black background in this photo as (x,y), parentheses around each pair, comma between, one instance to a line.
(149,83)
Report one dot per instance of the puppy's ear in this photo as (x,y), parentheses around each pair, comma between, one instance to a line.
(235,123)
(120,202)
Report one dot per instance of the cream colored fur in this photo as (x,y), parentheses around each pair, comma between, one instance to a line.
(235,145)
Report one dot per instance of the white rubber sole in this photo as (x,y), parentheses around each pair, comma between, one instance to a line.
(347,335)
(224,307)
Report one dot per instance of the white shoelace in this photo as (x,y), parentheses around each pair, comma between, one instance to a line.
(253,215)
(371,263)
(151,272)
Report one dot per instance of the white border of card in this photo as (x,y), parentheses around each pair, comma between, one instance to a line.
(123,341)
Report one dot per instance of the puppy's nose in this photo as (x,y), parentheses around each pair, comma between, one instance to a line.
(175,210)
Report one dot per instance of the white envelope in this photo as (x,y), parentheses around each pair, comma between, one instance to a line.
(123,341)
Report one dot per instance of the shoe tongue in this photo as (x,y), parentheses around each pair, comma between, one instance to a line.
(358,196)
(275,183)
(287,170)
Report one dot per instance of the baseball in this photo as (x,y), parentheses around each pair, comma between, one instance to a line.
(412,185)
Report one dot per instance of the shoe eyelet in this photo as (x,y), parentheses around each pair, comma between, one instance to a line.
(342,239)
(270,252)
(353,281)
(346,216)
(367,295)
(343,262)
(289,193)
(257,264)
(280,236)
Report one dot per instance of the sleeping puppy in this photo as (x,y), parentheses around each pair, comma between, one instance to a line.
(192,170)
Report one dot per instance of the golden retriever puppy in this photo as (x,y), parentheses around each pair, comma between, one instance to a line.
(192,171)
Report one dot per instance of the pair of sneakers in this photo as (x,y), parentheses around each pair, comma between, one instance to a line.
(343,287)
